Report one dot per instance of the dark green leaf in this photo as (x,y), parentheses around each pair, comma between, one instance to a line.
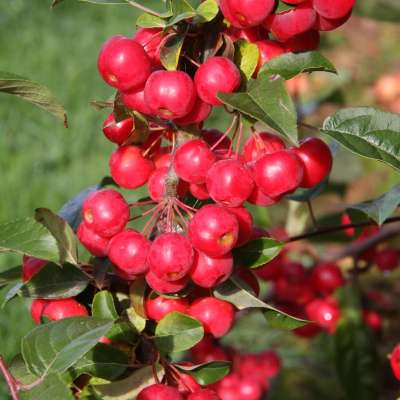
(181,10)
(53,282)
(171,51)
(103,361)
(246,57)
(123,331)
(10,276)
(27,236)
(236,292)
(56,346)
(367,132)
(382,208)
(257,252)
(268,101)
(131,386)
(147,20)
(289,65)
(52,387)
(11,291)
(178,332)
(208,373)
(32,92)
(62,232)
(303,195)
(103,306)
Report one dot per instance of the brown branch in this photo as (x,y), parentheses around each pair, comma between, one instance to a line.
(10,380)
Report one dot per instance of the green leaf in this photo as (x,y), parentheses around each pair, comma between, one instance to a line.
(367,132)
(147,20)
(136,313)
(103,361)
(10,276)
(303,195)
(207,10)
(257,252)
(356,361)
(10,291)
(289,65)
(178,332)
(171,51)
(208,373)
(382,208)
(32,92)
(52,387)
(130,387)
(103,306)
(53,282)
(62,232)
(181,10)
(56,346)
(27,236)
(269,102)
(246,57)
(237,293)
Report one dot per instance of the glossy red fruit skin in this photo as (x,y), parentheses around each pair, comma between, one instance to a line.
(171,256)
(395,361)
(170,94)
(245,220)
(325,313)
(128,250)
(208,272)
(150,39)
(94,243)
(262,143)
(56,310)
(31,266)
(199,191)
(37,307)
(258,198)
(278,173)
(317,161)
(217,316)
(306,41)
(214,231)
(229,183)
(135,101)
(216,75)
(156,185)
(124,64)
(162,157)
(199,113)
(246,13)
(250,389)
(373,320)
(327,24)
(118,132)
(129,168)
(333,9)
(105,212)
(159,307)
(163,286)
(326,278)
(387,259)
(159,392)
(268,49)
(294,2)
(203,394)
(286,24)
(251,35)
(192,161)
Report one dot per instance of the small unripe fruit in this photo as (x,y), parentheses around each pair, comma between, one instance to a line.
(118,132)
(333,9)
(124,64)
(171,256)
(200,112)
(216,75)
(157,308)
(317,161)
(192,161)
(214,230)
(327,277)
(105,212)
(159,392)
(246,13)
(170,94)
(129,168)
(278,173)
(217,316)
(156,185)
(204,394)
(208,272)
(94,243)
(56,310)
(229,183)
(135,101)
(128,250)
(262,143)
(163,286)
(31,266)
(150,39)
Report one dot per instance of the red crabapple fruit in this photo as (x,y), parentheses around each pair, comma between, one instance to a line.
(31,266)
(94,243)
(159,307)
(159,392)
(118,132)
(163,286)
(261,143)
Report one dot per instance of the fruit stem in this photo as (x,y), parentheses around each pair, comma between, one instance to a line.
(10,380)
(312,214)
(227,132)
